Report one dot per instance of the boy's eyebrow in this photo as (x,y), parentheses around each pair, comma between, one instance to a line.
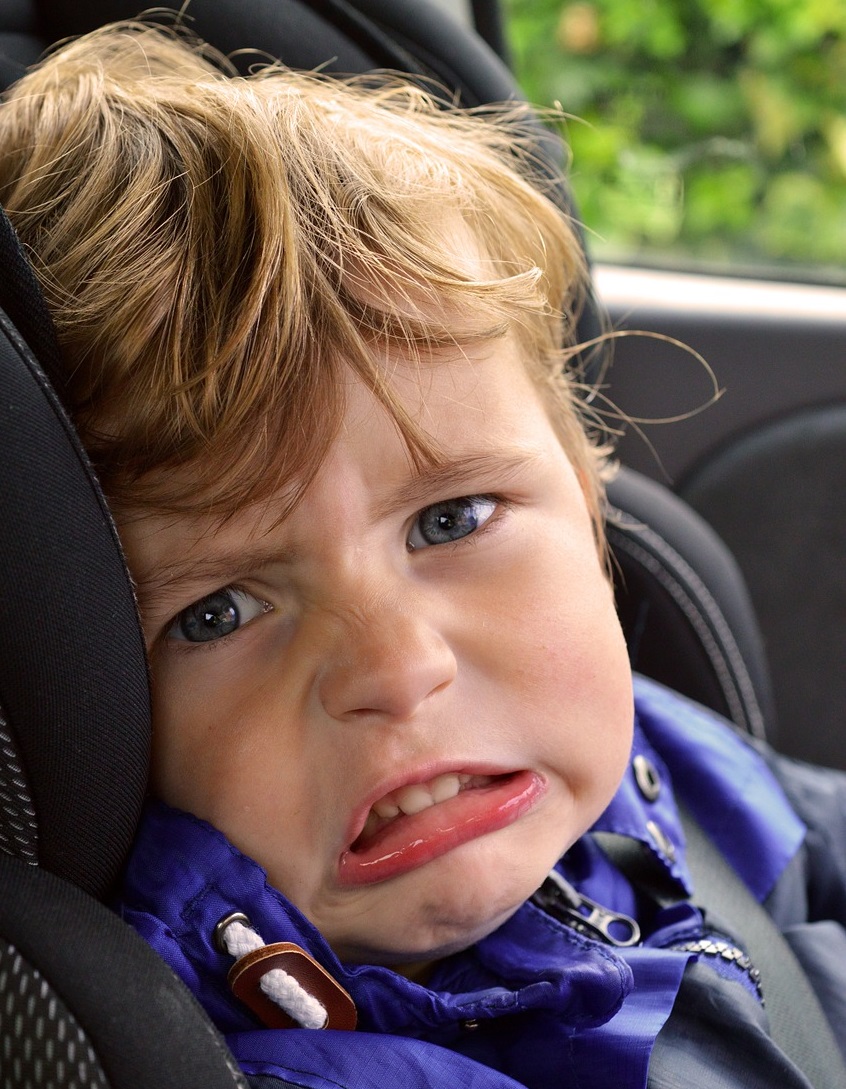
(503,465)
(219,569)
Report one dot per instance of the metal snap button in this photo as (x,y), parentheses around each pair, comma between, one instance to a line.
(647,778)
(662,841)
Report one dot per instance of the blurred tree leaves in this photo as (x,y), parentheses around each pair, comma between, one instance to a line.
(712,130)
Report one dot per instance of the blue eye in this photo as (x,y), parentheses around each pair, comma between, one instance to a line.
(216,615)
(450,521)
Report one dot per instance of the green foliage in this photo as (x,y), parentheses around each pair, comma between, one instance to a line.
(704,129)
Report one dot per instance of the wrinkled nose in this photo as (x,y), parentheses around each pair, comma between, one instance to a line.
(386,662)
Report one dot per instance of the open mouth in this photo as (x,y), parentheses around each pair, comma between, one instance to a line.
(410,800)
(419,822)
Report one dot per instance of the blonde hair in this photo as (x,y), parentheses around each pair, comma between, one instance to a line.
(217,250)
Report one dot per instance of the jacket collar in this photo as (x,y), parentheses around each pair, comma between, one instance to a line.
(184,877)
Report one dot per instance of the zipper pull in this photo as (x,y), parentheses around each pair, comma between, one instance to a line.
(560,900)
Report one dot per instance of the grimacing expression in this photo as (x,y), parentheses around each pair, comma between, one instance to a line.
(410,696)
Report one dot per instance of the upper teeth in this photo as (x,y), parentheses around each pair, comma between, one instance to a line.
(416,797)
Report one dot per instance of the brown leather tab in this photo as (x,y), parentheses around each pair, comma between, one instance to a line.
(245,976)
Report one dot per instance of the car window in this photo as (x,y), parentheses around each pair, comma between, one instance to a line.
(707,133)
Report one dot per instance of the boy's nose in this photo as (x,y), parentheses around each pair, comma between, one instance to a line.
(386,662)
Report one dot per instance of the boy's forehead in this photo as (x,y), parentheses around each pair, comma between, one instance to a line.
(464,389)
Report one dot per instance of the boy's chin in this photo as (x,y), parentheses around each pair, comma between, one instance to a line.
(421,948)
(448,905)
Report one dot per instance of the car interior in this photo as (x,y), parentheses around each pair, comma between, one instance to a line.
(83,1001)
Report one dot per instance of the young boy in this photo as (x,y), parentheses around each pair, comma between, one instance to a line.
(315,338)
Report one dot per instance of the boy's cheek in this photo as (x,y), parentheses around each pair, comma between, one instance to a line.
(193,758)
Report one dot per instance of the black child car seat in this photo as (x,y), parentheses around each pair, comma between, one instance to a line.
(83,1001)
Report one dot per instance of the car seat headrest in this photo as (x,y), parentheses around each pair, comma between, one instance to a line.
(74,701)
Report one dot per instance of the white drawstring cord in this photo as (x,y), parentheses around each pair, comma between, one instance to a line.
(278,985)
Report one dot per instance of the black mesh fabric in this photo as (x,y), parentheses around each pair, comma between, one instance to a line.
(19,824)
(41,1043)
(120,1001)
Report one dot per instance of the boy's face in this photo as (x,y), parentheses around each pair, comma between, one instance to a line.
(409,697)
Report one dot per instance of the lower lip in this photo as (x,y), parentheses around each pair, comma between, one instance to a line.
(410,842)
